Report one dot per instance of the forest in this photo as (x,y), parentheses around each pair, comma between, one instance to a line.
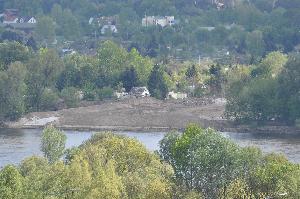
(241,31)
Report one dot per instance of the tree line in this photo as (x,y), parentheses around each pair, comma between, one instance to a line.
(265,92)
(42,79)
(198,163)
(37,81)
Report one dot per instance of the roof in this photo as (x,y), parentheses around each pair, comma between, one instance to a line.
(26,19)
(10,18)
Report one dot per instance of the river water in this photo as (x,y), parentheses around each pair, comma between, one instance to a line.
(15,145)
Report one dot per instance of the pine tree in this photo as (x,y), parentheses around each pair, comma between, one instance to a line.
(129,78)
(157,84)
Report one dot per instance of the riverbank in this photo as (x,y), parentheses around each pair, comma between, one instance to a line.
(278,130)
(143,115)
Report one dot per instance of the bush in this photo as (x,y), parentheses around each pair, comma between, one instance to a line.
(49,100)
(200,91)
(70,96)
(105,93)
(89,93)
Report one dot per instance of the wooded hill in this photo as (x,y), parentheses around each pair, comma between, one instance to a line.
(240,30)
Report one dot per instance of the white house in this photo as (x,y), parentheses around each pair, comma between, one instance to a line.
(208,28)
(173,95)
(121,95)
(158,20)
(67,51)
(32,20)
(170,20)
(91,20)
(111,28)
(139,92)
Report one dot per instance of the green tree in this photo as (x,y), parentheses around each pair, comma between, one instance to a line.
(49,100)
(271,66)
(129,78)
(69,26)
(192,73)
(202,160)
(255,45)
(111,61)
(45,29)
(288,91)
(142,174)
(11,183)
(142,66)
(57,13)
(274,177)
(34,169)
(53,143)
(216,79)
(256,101)
(70,96)
(47,66)
(12,91)
(156,84)
(270,93)
(11,52)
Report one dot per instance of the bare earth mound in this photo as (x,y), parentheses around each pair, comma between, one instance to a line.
(132,114)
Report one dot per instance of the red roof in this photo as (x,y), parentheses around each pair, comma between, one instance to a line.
(10,18)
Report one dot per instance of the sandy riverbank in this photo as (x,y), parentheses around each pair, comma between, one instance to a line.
(144,114)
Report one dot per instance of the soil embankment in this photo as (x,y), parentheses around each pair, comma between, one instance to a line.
(142,114)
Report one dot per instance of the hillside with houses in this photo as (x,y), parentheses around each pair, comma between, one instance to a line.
(227,31)
(11,18)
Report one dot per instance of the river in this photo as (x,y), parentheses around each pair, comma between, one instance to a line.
(17,144)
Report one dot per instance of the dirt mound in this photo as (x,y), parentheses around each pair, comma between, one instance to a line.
(143,113)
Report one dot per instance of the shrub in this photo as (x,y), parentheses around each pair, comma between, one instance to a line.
(105,93)
(70,96)
(49,100)
(200,91)
(89,93)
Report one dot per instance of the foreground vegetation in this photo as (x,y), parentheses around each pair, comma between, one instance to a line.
(198,163)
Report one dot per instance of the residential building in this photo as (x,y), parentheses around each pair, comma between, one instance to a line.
(101,21)
(10,16)
(174,95)
(158,20)
(11,19)
(30,20)
(139,92)
(111,28)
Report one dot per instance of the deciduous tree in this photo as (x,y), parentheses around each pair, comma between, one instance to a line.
(53,144)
